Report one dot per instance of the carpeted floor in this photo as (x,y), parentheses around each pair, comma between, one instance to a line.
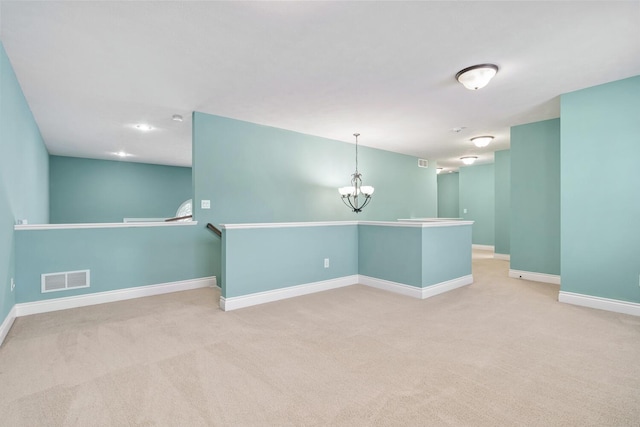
(499,352)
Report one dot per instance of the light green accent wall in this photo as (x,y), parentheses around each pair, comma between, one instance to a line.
(535,197)
(414,256)
(94,191)
(477,196)
(118,258)
(23,174)
(254,173)
(502,170)
(448,195)
(601,191)
(265,259)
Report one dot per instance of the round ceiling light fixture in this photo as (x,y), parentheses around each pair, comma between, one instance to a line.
(176,118)
(438,170)
(144,127)
(482,141)
(468,160)
(121,154)
(477,76)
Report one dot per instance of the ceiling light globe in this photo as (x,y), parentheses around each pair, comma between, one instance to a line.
(468,160)
(481,141)
(477,76)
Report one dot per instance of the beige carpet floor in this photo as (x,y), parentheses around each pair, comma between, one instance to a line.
(501,352)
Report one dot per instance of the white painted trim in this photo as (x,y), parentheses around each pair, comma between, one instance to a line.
(414,291)
(483,247)
(103,225)
(387,285)
(506,257)
(536,277)
(44,306)
(233,303)
(419,224)
(447,286)
(618,306)
(143,219)
(429,219)
(7,323)
(287,224)
(399,223)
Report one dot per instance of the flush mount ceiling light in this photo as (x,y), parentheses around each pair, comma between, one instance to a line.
(350,194)
(468,160)
(121,154)
(176,118)
(477,76)
(438,170)
(143,127)
(481,141)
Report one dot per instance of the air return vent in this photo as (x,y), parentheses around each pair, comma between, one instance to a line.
(423,163)
(66,280)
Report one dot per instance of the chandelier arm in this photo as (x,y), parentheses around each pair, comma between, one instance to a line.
(347,204)
(366,202)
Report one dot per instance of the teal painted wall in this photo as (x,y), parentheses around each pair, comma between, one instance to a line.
(414,256)
(391,253)
(254,173)
(448,195)
(477,195)
(601,190)
(502,171)
(118,258)
(535,197)
(283,257)
(23,174)
(89,190)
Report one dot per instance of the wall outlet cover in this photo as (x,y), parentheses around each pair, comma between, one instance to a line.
(205,204)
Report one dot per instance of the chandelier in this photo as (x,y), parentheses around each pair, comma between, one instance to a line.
(356,196)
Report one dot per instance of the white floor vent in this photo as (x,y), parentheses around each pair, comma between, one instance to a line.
(66,280)
(423,163)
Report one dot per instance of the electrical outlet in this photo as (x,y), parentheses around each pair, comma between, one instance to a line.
(464,211)
(205,204)
(13,285)
(326,263)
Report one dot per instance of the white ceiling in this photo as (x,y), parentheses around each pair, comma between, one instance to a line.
(92,70)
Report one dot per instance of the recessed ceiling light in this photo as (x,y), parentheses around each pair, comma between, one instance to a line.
(481,141)
(176,118)
(143,127)
(468,160)
(477,76)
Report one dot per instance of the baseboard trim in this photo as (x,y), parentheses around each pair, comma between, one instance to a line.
(536,277)
(483,247)
(7,324)
(447,286)
(505,257)
(618,306)
(45,306)
(387,285)
(234,303)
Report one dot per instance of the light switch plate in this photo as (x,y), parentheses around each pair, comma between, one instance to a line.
(205,204)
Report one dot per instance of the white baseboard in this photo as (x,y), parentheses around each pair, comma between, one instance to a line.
(536,277)
(7,323)
(447,286)
(483,247)
(387,285)
(506,257)
(25,309)
(414,291)
(234,303)
(618,306)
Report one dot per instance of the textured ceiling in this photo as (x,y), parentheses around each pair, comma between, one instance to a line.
(92,70)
